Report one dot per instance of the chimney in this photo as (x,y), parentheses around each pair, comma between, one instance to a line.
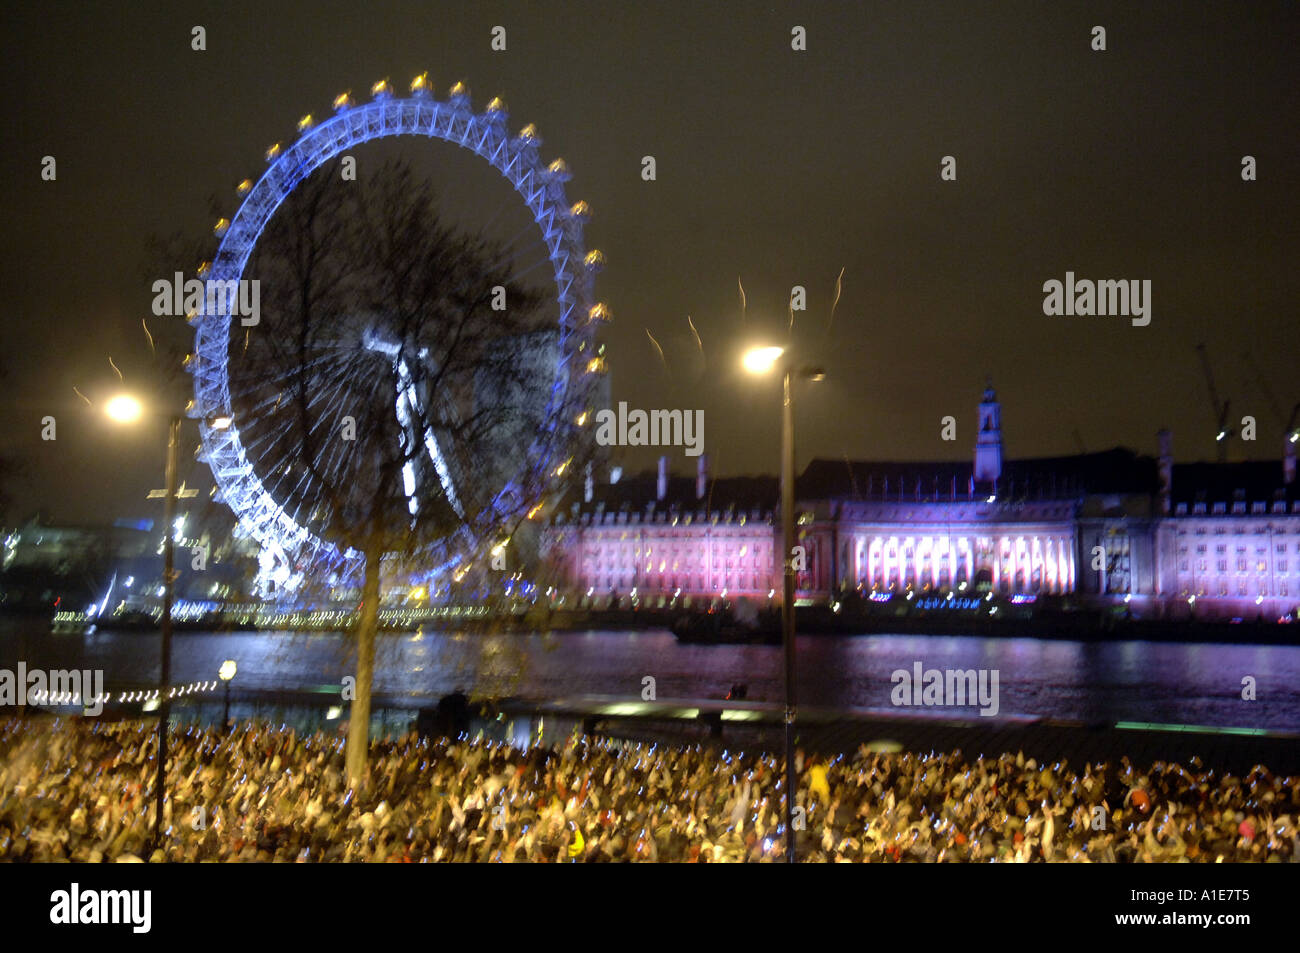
(1166,444)
(1288,461)
(702,474)
(661,488)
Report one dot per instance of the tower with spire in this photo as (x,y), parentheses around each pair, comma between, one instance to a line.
(988,446)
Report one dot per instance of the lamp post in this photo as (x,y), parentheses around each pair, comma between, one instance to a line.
(762,360)
(125,409)
(226,673)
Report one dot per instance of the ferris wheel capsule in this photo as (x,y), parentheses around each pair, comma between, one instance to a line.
(251,487)
(220,228)
(420,85)
(600,312)
(305,123)
(581,210)
(595,260)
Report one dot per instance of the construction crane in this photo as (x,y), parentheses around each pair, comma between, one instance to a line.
(1224,430)
(1290,425)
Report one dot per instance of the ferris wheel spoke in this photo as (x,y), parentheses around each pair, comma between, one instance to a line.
(294,397)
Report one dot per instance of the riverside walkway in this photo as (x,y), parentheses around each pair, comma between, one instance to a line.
(746,724)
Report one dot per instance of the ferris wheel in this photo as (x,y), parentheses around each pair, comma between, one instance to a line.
(254,473)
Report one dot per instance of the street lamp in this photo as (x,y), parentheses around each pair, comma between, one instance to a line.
(126,409)
(226,673)
(123,409)
(762,360)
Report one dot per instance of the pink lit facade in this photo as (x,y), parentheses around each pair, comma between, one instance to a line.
(1246,562)
(668,554)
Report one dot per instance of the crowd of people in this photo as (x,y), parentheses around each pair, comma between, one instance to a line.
(82,791)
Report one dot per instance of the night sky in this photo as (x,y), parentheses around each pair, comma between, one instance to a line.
(774,166)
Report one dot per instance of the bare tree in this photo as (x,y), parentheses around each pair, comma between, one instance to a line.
(383,401)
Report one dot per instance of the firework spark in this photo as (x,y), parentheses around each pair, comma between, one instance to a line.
(661,352)
(742,299)
(698,342)
(839,287)
(145,325)
(114,366)
(83,396)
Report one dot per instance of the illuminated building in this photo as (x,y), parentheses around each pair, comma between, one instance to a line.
(1095,528)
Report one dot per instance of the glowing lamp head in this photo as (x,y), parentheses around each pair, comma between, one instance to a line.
(227,670)
(761,360)
(124,409)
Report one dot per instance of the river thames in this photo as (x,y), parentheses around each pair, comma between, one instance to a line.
(1191,684)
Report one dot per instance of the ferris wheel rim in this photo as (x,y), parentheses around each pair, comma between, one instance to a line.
(515,158)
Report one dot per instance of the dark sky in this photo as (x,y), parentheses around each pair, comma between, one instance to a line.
(774,166)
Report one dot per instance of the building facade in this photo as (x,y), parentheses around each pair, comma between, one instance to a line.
(1168,540)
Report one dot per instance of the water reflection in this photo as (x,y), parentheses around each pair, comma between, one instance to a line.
(1136,681)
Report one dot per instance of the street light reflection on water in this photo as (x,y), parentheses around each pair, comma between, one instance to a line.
(1120,681)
